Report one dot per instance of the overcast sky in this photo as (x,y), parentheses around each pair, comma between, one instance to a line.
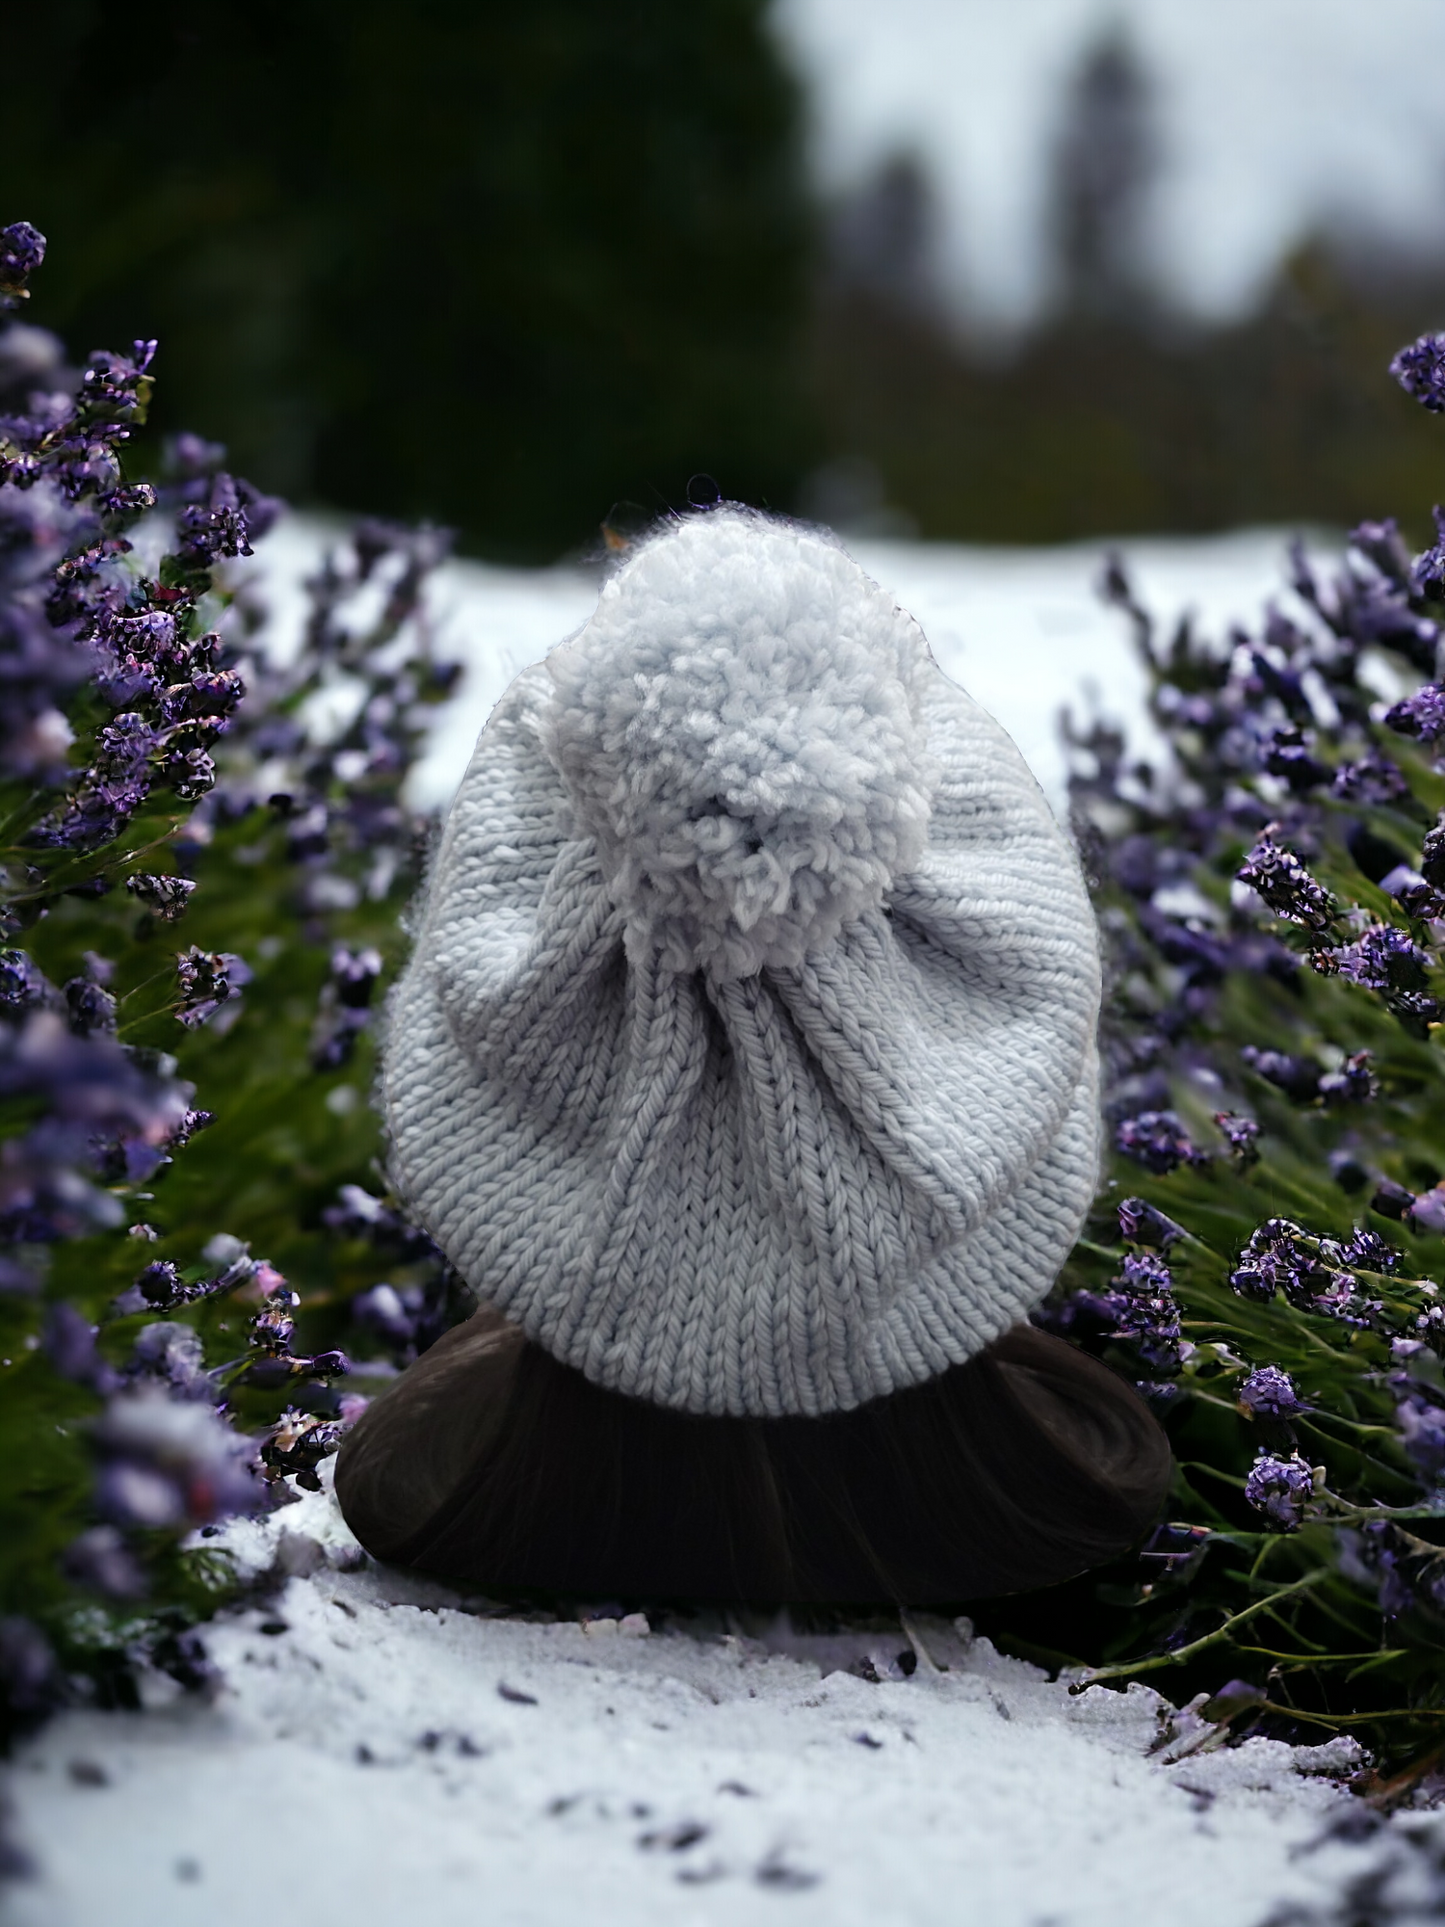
(1274,113)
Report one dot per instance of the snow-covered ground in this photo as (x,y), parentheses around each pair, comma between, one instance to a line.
(382,1751)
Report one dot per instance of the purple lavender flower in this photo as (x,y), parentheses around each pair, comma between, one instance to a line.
(389,1312)
(1295,1076)
(101,1561)
(1158,1140)
(1146,1312)
(1240,1133)
(1368,1250)
(1281,881)
(1422,714)
(1353,1083)
(1141,1224)
(70,1346)
(207,979)
(1427,1211)
(1280,1488)
(22,249)
(170,1354)
(1371,778)
(1383,958)
(1422,1428)
(1392,1200)
(345,1005)
(171,1462)
(1420,371)
(1383,546)
(1270,1393)
(1288,754)
(164,896)
(297,1444)
(23,986)
(1278,1258)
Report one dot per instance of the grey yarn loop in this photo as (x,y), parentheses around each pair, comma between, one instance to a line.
(747,1052)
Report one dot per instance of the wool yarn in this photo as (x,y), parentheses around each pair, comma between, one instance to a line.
(746,1055)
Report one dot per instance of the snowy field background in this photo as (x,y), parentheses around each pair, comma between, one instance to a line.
(383,1751)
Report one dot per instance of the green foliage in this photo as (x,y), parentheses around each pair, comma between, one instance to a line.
(498,265)
(1221,1008)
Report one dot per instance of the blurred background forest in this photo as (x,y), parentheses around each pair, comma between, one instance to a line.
(510,267)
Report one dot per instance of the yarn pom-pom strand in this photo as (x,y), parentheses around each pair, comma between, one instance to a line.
(739,728)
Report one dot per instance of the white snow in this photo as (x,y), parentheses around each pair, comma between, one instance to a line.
(394,1754)
(1023,630)
(391,1755)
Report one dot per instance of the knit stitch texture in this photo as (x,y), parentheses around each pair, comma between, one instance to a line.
(746,1055)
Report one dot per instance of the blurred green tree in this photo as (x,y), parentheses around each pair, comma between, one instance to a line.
(513,263)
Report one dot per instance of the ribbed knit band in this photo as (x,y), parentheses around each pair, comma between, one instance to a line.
(747,1052)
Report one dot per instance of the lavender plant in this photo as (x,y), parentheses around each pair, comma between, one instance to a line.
(1269,1255)
(199,896)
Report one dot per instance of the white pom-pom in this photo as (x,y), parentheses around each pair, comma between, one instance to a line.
(739,729)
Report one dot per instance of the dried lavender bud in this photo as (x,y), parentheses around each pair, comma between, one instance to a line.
(1141,1224)
(1270,1393)
(1281,881)
(165,896)
(1240,1133)
(1158,1140)
(1280,1488)
(1420,371)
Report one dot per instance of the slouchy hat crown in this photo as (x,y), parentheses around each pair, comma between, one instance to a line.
(746,1055)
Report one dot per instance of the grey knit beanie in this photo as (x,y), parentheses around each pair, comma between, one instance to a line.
(747,1053)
